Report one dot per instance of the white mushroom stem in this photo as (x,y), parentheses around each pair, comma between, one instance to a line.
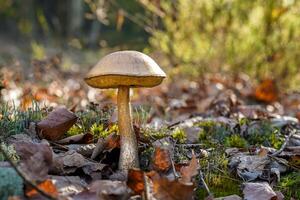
(129,148)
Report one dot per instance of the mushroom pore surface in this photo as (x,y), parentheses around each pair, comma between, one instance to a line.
(114,81)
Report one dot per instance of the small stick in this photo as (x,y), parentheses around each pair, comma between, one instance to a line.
(276,153)
(33,185)
(146,195)
(189,145)
(204,183)
(173,167)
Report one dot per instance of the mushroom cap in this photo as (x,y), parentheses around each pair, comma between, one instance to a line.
(125,68)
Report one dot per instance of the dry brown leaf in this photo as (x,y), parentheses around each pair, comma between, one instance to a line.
(188,172)
(135,180)
(163,189)
(161,160)
(56,124)
(266,91)
(110,142)
(47,186)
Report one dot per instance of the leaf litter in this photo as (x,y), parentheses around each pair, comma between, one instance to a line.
(194,134)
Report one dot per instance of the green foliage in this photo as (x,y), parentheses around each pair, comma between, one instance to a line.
(155,134)
(256,37)
(266,135)
(74,130)
(140,115)
(179,135)
(11,183)
(93,115)
(219,180)
(212,133)
(290,185)
(98,130)
(13,120)
(235,141)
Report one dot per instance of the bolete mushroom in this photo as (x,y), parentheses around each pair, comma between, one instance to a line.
(124,70)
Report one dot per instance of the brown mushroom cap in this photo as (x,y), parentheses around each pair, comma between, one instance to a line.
(125,68)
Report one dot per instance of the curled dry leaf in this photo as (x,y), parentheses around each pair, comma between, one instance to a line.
(56,124)
(161,160)
(110,142)
(36,159)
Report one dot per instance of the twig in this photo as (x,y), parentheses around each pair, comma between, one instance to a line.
(59,145)
(276,153)
(33,185)
(204,183)
(284,162)
(147,195)
(190,145)
(173,167)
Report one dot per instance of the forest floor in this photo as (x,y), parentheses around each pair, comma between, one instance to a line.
(205,139)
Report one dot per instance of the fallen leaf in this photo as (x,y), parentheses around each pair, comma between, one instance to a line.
(110,142)
(68,185)
(258,191)
(172,190)
(266,91)
(135,180)
(56,124)
(70,161)
(36,159)
(105,190)
(249,167)
(47,186)
(161,160)
(190,171)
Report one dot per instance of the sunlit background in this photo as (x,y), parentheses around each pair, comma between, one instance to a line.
(54,43)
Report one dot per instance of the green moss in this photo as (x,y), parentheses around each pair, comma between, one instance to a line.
(154,133)
(11,183)
(97,129)
(74,130)
(289,185)
(212,133)
(179,135)
(266,135)
(235,141)
(219,180)
(220,186)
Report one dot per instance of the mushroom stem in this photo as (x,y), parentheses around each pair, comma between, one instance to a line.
(129,149)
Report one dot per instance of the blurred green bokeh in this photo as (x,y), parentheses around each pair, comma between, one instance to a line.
(191,37)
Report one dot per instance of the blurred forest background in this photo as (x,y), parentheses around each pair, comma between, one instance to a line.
(187,37)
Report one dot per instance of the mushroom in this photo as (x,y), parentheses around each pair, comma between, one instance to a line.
(124,70)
